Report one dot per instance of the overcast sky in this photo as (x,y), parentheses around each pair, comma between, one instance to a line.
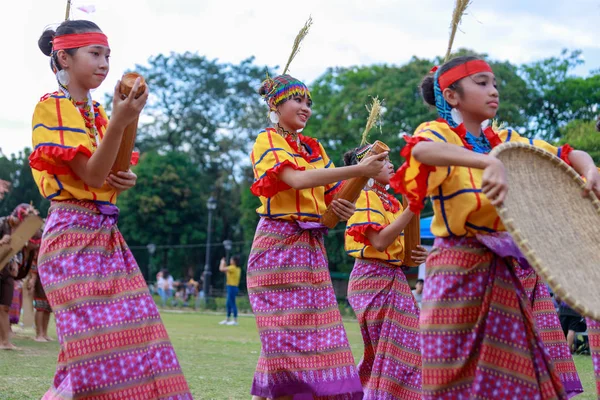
(344,33)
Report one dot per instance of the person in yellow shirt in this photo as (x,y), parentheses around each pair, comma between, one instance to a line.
(100,299)
(478,335)
(305,350)
(233,275)
(378,290)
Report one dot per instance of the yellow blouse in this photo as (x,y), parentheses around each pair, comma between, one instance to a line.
(371,213)
(270,153)
(460,208)
(59,133)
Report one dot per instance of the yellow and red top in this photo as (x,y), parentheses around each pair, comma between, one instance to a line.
(373,212)
(270,154)
(59,132)
(460,208)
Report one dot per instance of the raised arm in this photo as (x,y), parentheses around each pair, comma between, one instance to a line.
(95,169)
(298,179)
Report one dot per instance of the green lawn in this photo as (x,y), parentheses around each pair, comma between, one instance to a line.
(218,361)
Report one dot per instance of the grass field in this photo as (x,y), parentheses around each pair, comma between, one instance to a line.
(218,361)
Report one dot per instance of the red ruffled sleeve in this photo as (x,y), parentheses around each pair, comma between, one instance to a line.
(135,158)
(411,178)
(563,153)
(270,184)
(52,158)
(359,231)
(330,193)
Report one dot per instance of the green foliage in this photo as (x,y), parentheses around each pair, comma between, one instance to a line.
(16,170)
(167,205)
(582,135)
(558,97)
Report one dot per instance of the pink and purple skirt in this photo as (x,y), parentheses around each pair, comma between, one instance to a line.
(478,334)
(305,352)
(388,316)
(113,344)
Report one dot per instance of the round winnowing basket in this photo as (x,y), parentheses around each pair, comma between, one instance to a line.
(556,228)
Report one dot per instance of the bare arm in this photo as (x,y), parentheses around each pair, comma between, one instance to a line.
(443,155)
(384,238)
(494,183)
(94,170)
(584,165)
(298,180)
(223,265)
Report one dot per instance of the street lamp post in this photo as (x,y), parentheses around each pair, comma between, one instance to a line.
(211,205)
(228,244)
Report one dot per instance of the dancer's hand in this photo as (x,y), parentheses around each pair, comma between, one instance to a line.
(126,109)
(343,209)
(592,184)
(13,269)
(494,183)
(122,180)
(5,240)
(419,255)
(373,165)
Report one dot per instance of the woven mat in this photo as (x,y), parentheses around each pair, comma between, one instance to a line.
(554,226)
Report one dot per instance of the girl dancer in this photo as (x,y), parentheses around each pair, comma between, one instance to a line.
(112,341)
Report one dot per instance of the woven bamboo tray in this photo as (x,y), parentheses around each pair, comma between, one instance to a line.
(556,228)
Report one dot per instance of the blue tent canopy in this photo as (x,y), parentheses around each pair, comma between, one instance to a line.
(425,228)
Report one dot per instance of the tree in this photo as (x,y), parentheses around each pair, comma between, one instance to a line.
(559,97)
(582,135)
(167,206)
(23,189)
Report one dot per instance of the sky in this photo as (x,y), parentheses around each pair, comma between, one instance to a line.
(344,33)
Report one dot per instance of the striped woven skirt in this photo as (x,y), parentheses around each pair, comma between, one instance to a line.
(593,328)
(305,352)
(389,322)
(549,329)
(478,334)
(113,344)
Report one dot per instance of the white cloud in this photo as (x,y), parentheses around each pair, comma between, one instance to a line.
(345,32)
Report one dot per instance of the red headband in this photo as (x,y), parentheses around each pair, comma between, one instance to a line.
(461,71)
(77,40)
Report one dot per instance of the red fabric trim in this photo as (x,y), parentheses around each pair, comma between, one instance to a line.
(492,137)
(307,140)
(397,182)
(135,158)
(564,155)
(77,40)
(270,184)
(389,202)
(310,142)
(36,161)
(329,196)
(359,232)
(460,131)
(461,71)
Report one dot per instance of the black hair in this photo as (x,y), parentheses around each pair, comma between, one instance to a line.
(427,91)
(350,157)
(236,260)
(420,281)
(66,28)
